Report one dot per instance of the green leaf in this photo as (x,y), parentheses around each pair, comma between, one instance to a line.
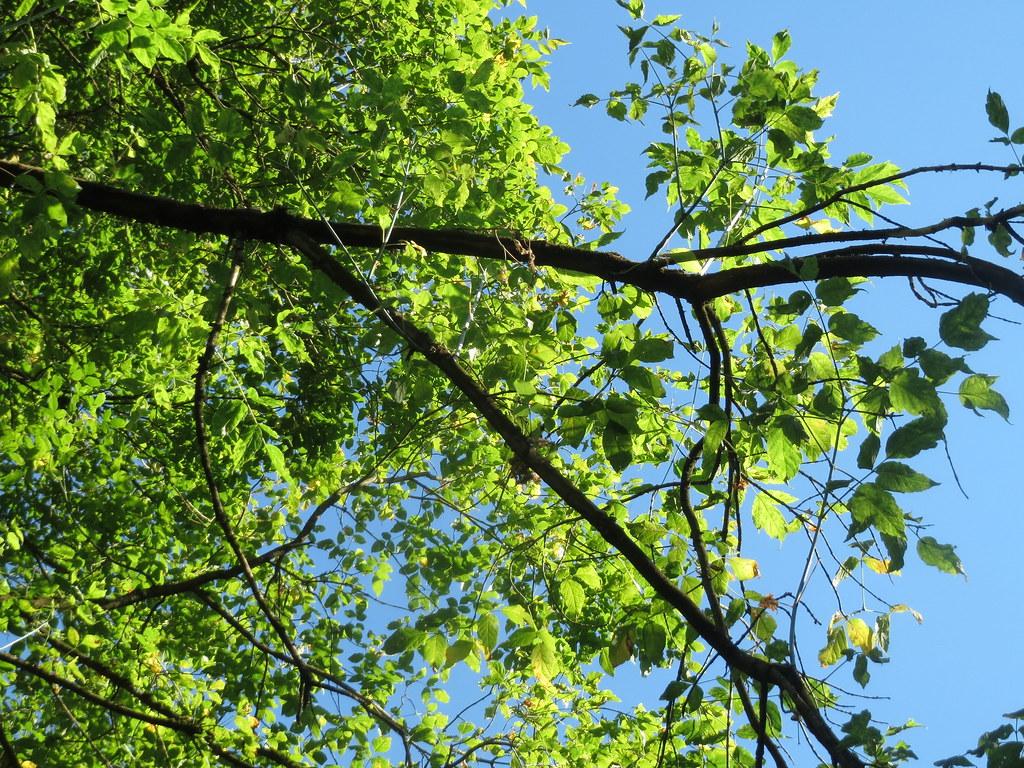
(938,366)
(402,639)
(999,238)
(859,633)
(783,457)
(524,388)
(1005,755)
(848,326)
(804,118)
(911,393)
(914,346)
(46,120)
(995,108)
(744,568)
(573,597)
(457,651)
(780,44)
(868,452)
(977,394)
(616,109)
(144,50)
(896,549)
(652,349)
(652,643)
(961,326)
(276,456)
(518,615)
(896,476)
(834,291)
(487,631)
(873,506)
(588,575)
(643,381)
(769,518)
(543,658)
(941,556)
(435,650)
(860,670)
(674,690)
(915,436)
(618,446)
(887,194)
(24,7)
(834,647)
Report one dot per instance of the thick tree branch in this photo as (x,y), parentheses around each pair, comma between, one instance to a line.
(867,260)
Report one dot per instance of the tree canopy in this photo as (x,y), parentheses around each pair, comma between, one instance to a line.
(333,436)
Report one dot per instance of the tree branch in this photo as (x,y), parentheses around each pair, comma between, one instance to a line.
(835,198)
(787,678)
(868,260)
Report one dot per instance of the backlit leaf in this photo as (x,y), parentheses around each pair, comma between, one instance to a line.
(961,326)
(941,556)
(995,108)
(976,393)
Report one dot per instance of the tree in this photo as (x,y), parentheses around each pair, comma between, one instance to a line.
(333,437)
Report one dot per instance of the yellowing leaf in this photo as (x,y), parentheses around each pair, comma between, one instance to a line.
(744,568)
(860,634)
(543,660)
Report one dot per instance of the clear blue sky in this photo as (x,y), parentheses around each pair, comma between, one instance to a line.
(913,78)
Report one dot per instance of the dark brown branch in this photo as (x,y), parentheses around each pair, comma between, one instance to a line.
(697,536)
(758,721)
(868,260)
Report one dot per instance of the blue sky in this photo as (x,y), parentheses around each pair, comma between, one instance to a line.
(912,78)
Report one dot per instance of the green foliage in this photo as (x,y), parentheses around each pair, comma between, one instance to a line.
(250,516)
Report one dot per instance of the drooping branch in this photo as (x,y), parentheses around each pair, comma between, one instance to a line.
(219,510)
(178,723)
(323,678)
(525,451)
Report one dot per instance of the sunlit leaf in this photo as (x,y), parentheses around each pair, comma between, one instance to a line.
(941,556)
